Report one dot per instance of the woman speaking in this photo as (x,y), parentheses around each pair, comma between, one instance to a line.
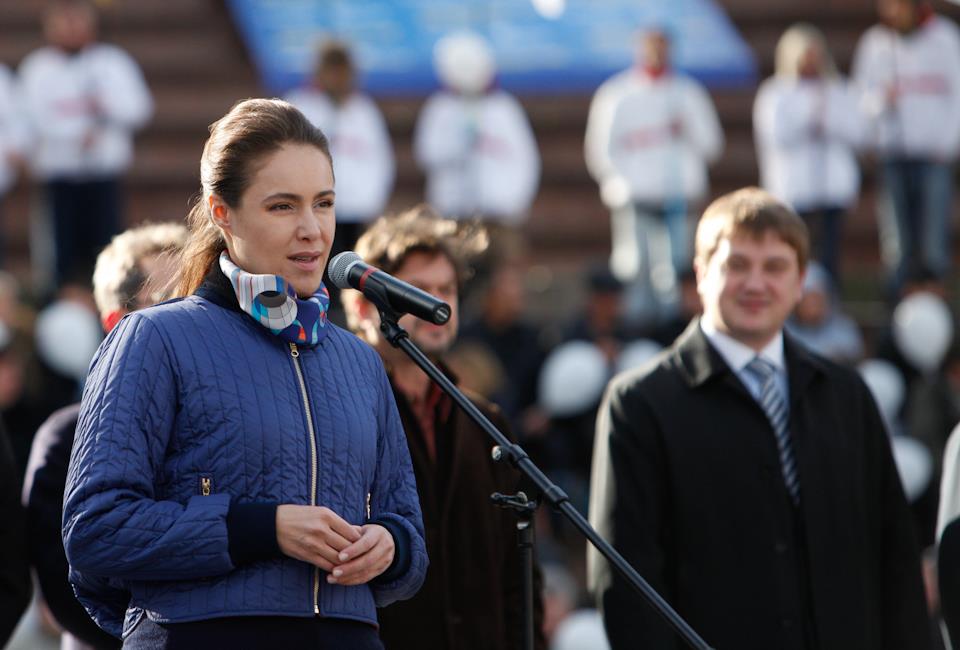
(240,477)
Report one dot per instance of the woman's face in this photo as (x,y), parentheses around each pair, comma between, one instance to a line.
(284,223)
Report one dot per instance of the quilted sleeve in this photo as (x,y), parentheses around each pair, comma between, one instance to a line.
(106,602)
(395,500)
(113,524)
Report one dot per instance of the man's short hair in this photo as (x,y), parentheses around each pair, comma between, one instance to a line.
(750,211)
(118,276)
(391,239)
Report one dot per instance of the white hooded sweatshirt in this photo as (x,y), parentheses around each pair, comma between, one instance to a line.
(650,139)
(806,133)
(924,69)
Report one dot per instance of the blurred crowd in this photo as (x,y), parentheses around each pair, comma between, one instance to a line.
(71,109)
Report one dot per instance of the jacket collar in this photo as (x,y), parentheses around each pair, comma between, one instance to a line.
(699,362)
(217,289)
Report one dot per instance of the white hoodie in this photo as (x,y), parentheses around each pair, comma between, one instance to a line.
(924,67)
(806,132)
(650,139)
(97,94)
(479,155)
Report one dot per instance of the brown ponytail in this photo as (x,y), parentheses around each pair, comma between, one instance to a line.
(202,250)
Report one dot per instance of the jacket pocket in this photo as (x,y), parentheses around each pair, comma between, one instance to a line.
(205,484)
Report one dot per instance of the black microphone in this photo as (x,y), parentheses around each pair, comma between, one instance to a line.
(348,271)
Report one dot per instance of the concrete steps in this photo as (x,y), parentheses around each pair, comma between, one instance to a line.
(197,68)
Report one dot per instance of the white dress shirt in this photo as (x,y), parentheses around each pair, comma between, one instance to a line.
(738,356)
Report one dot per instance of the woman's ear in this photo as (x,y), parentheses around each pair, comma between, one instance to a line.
(220,213)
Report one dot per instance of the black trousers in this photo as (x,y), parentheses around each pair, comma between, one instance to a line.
(86,215)
(254,632)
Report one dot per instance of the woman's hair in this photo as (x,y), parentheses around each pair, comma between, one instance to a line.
(238,142)
(792,46)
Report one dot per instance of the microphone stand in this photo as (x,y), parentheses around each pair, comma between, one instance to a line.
(523,509)
(398,338)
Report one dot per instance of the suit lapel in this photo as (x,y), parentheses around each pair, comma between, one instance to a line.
(802,368)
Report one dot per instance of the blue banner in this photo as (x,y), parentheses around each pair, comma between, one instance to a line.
(567,46)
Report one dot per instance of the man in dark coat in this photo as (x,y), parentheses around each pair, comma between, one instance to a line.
(472,595)
(749,480)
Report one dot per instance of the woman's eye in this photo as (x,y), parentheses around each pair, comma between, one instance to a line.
(280,207)
(324,204)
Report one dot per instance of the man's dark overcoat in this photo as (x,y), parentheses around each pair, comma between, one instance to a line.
(687,486)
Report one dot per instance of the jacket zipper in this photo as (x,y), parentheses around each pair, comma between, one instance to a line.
(295,353)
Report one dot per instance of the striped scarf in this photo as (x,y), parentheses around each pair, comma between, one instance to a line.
(274,303)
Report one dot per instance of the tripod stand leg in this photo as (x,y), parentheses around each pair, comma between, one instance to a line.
(525,543)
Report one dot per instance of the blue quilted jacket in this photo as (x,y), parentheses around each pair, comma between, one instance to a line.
(192,410)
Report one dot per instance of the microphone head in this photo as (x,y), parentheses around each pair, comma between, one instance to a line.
(339,267)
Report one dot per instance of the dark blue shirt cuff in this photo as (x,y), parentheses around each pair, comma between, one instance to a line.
(252,532)
(401,551)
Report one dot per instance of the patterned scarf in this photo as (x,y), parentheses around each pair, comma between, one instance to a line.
(273,303)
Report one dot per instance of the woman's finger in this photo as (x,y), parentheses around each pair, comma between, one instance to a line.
(370,562)
(363,545)
(340,526)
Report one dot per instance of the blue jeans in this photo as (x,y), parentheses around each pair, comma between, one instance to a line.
(650,250)
(914,216)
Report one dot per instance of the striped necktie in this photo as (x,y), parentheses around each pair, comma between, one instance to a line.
(774,404)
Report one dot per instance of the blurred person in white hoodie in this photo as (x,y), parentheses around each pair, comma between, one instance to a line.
(83,101)
(473,140)
(359,140)
(651,133)
(807,126)
(908,71)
